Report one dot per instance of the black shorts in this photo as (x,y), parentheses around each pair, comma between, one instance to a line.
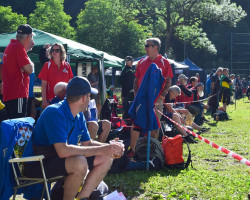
(100,128)
(53,167)
(170,115)
(16,108)
(225,95)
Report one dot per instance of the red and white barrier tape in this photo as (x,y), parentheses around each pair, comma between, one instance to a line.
(222,149)
(201,100)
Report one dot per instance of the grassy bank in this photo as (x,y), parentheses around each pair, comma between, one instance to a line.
(215,175)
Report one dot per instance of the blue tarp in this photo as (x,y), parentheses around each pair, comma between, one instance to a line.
(192,66)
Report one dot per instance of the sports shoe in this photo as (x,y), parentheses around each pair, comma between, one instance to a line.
(155,164)
(130,153)
(189,139)
(203,129)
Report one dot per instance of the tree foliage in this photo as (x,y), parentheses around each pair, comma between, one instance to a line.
(183,18)
(50,17)
(24,7)
(102,26)
(10,21)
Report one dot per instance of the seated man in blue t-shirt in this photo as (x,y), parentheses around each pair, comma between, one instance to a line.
(95,127)
(61,127)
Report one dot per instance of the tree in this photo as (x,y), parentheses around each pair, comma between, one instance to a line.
(102,26)
(50,17)
(10,21)
(24,7)
(183,18)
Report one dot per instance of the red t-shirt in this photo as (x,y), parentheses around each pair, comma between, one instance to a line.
(15,82)
(144,64)
(52,75)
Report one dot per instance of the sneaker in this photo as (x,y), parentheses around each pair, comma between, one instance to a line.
(189,139)
(130,153)
(203,129)
(155,164)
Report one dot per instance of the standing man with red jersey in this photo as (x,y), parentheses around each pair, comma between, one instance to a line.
(16,69)
(152,48)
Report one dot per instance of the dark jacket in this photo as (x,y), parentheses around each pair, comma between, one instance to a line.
(127,82)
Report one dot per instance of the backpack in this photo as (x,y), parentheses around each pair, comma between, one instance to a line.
(106,110)
(155,151)
(173,151)
(220,116)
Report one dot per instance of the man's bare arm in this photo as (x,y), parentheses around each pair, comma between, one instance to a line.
(135,86)
(167,86)
(44,100)
(28,69)
(64,151)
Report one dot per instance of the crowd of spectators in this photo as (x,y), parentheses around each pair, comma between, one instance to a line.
(68,108)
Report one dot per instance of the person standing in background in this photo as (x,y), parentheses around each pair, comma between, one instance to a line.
(213,102)
(43,54)
(93,78)
(16,69)
(198,77)
(152,48)
(54,71)
(127,81)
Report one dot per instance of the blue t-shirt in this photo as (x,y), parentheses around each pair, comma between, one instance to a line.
(208,86)
(55,124)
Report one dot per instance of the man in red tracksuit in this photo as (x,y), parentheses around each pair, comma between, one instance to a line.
(152,47)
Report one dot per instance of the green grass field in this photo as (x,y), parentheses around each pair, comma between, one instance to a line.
(215,174)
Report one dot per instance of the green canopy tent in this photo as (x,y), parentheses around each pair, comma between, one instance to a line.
(76,52)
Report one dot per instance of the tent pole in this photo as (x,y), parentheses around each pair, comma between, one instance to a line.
(148,151)
(101,64)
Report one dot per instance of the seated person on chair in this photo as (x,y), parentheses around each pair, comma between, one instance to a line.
(60,127)
(60,92)
(95,127)
(198,91)
(110,92)
(174,91)
(192,82)
(186,94)
(101,128)
(248,92)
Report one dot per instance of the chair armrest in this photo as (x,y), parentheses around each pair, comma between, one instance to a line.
(27,159)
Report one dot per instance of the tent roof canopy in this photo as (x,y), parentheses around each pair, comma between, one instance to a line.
(192,66)
(178,65)
(76,50)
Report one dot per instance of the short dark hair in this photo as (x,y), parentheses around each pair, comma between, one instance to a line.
(192,79)
(129,58)
(73,99)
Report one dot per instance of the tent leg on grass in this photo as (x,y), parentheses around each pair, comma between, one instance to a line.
(148,151)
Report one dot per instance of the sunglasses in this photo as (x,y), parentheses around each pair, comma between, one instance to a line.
(55,50)
(149,45)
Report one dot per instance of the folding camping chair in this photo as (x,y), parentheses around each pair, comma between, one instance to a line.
(15,134)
